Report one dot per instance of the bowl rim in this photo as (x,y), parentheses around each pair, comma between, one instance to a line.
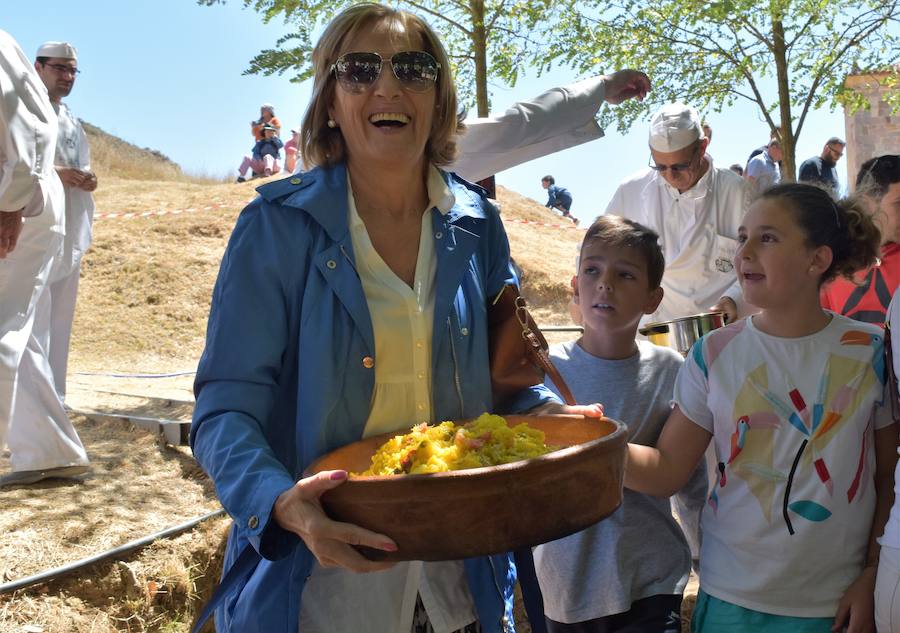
(611,439)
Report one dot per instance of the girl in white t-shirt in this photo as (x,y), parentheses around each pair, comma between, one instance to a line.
(792,400)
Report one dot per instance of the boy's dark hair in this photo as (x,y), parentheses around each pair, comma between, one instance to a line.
(842,225)
(613,230)
(877,174)
(549,179)
(42,60)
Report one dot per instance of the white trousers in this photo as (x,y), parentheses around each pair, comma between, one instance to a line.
(887,591)
(33,423)
(63,295)
(23,277)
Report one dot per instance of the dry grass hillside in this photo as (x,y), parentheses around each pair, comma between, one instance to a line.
(143,302)
(146,282)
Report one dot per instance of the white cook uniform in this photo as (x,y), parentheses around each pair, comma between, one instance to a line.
(553,121)
(71,151)
(698,231)
(28,181)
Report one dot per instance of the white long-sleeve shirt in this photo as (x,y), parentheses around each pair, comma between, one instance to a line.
(28,130)
(72,151)
(553,121)
(698,231)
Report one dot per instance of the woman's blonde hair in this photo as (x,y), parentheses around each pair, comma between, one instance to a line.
(322,145)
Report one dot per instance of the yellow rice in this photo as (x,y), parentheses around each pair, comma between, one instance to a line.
(486,441)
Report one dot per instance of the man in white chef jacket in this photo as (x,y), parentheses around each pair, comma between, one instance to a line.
(696,208)
(32,226)
(57,66)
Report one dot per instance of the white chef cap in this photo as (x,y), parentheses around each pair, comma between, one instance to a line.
(674,127)
(63,50)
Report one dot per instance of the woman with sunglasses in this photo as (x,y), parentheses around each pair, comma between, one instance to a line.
(351,302)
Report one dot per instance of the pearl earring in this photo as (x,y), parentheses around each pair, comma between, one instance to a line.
(332,123)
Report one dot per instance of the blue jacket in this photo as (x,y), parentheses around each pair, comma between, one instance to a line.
(282,381)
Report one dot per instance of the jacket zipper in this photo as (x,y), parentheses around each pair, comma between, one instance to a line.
(455,367)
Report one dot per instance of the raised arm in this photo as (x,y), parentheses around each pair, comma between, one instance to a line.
(666,468)
(560,118)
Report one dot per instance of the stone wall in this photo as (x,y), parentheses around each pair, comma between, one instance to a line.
(870,132)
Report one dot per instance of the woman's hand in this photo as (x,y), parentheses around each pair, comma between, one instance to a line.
(300,511)
(856,610)
(554,408)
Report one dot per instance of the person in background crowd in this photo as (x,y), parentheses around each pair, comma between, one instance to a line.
(351,302)
(696,208)
(291,150)
(707,134)
(822,169)
(737,169)
(266,117)
(558,198)
(47,446)
(57,66)
(867,296)
(764,170)
(793,400)
(265,157)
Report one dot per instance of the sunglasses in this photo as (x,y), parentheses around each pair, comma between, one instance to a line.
(417,71)
(675,168)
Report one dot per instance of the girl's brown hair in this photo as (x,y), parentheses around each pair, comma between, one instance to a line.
(842,225)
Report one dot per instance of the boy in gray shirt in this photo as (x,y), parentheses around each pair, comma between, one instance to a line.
(627,572)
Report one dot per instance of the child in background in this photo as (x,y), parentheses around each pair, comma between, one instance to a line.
(558,198)
(628,572)
(793,399)
(266,154)
(887,585)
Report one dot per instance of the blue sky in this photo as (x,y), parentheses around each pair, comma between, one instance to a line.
(166,74)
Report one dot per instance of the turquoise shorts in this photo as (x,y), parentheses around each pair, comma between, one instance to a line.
(712,615)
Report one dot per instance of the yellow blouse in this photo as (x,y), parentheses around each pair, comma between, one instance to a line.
(402,318)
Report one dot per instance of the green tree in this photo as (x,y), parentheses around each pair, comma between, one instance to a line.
(484,38)
(712,53)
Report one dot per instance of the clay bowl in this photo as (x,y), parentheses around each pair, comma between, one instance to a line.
(465,513)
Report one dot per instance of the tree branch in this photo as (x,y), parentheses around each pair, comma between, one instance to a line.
(420,7)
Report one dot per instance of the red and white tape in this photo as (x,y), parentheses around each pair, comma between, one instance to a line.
(221,205)
(546,224)
(147,214)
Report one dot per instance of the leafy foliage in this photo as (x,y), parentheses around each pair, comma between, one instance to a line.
(787,56)
(518,34)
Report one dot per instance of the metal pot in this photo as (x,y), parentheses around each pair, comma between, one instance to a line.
(680,334)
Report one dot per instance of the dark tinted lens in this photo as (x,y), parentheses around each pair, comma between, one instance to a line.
(357,71)
(416,70)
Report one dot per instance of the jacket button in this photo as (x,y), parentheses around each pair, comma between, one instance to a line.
(253,522)
(296,181)
(464,331)
(331,264)
(368,362)
(438,235)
